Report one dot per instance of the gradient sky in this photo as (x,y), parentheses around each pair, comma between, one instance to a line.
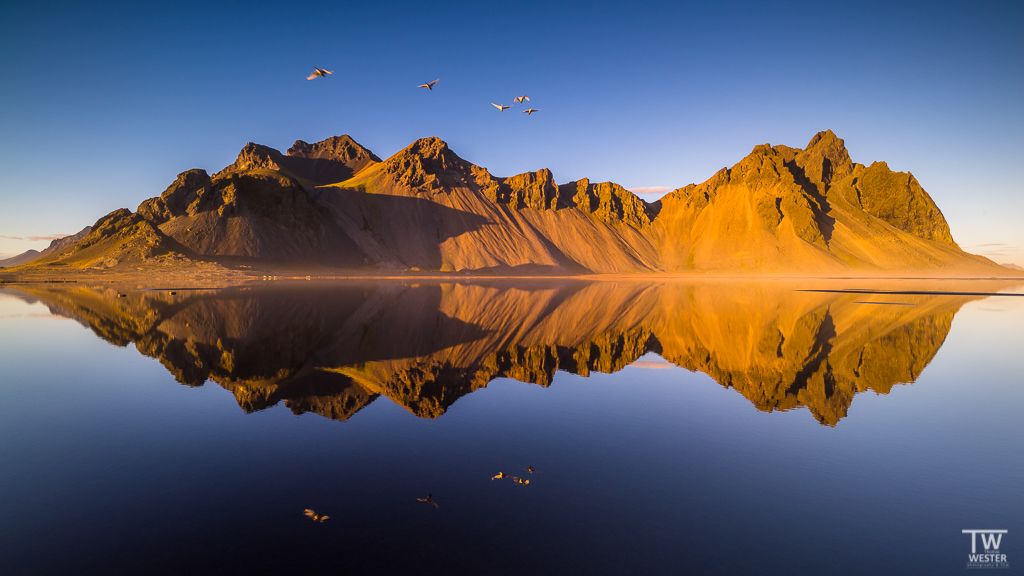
(102,106)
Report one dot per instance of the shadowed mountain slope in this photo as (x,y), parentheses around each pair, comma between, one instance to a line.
(335,205)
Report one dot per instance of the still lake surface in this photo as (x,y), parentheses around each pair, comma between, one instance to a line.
(709,427)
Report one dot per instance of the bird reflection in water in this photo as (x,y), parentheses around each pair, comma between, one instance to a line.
(314,516)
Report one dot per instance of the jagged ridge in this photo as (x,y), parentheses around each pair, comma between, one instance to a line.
(335,204)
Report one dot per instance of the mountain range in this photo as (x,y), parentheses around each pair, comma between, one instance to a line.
(334,206)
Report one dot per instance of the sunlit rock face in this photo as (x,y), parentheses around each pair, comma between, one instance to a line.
(333,349)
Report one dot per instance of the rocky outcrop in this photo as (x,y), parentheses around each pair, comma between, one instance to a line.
(326,162)
(249,214)
(608,202)
(898,199)
(536,190)
(332,160)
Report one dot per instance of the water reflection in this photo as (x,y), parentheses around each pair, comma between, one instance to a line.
(333,349)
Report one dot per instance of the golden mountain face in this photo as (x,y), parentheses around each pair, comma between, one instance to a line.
(334,348)
(333,207)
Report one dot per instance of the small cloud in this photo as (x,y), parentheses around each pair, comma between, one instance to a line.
(992,244)
(650,190)
(36,238)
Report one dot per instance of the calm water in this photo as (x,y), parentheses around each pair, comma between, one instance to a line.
(705,427)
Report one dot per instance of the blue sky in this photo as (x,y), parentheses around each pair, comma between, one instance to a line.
(102,106)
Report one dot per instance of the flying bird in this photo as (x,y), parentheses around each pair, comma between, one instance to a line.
(500,107)
(520,480)
(520,99)
(317,73)
(429,500)
(531,470)
(314,516)
(500,475)
(429,85)
(531,110)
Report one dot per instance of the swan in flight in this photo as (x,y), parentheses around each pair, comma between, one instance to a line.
(429,500)
(429,85)
(317,73)
(500,107)
(531,110)
(520,99)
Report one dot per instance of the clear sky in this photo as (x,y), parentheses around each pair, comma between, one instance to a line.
(103,105)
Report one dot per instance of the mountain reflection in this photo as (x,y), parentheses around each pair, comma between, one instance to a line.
(334,348)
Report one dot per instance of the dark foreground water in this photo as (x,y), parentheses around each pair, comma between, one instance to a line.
(706,428)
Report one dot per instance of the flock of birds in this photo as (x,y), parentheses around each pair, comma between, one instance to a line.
(321,73)
(316,517)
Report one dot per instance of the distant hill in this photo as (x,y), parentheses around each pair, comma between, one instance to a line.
(1013,266)
(55,245)
(23,258)
(334,205)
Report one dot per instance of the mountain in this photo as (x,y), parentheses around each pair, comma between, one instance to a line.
(1013,266)
(334,206)
(23,258)
(55,245)
(334,348)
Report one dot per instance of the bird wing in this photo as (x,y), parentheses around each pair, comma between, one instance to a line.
(324,517)
(527,98)
(495,105)
(326,72)
(309,513)
(312,76)
(434,82)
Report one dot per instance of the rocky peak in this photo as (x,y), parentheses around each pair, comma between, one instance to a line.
(825,160)
(255,157)
(535,190)
(336,148)
(429,163)
(179,196)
